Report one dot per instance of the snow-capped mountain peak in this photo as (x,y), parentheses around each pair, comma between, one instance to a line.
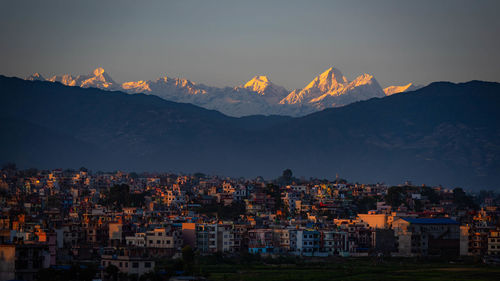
(257,96)
(258,84)
(363,79)
(98,78)
(35,77)
(331,88)
(175,89)
(98,71)
(262,85)
(140,86)
(329,80)
(391,90)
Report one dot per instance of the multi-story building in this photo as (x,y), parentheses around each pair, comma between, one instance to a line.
(225,238)
(138,240)
(206,238)
(424,236)
(334,242)
(282,240)
(164,241)
(260,241)
(307,241)
(23,261)
(125,263)
(494,242)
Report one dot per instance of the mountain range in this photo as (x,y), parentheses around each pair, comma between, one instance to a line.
(258,96)
(443,133)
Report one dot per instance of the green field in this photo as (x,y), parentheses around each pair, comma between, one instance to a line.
(355,269)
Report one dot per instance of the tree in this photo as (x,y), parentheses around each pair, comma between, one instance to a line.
(118,195)
(9,166)
(188,258)
(394,196)
(430,194)
(286,177)
(199,176)
(187,254)
(366,204)
(112,272)
(275,192)
(461,199)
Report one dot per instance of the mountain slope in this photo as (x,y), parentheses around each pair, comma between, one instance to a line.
(444,130)
(441,134)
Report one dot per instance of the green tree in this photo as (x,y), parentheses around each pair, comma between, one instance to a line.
(430,194)
(199,176)
(275,192)
(286,177)
(112,272)
(188,258)
(187,254)
(9,167)
(366,204)
(461,199)
(394,196)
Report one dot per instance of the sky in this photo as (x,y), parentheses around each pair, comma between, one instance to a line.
(225,43)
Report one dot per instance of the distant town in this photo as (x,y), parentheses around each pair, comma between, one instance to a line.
(156,226)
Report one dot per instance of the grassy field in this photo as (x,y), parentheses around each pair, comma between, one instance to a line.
(355,269)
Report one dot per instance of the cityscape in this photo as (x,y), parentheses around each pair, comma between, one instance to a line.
(132,226)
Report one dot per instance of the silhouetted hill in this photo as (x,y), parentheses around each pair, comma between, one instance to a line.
(441,134)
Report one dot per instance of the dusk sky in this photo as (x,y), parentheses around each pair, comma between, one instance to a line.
(223,43)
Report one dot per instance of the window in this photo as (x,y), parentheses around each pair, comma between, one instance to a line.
(135,265)
(147,264)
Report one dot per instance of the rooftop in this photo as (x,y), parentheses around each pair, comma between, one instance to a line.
(430,221)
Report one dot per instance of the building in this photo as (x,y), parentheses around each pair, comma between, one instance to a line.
(164,241)
(494,242)
(261,241)
(307,241)
(383,241)
(425,236)
(225,238)
(127,264)
(335,243)
(206,238)
(374,220)
(23,261)
(7,262)
(138,240)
